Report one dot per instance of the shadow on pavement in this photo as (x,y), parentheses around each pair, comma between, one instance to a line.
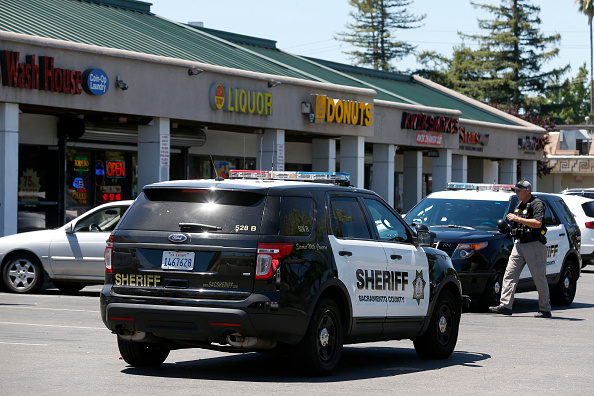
(356,363)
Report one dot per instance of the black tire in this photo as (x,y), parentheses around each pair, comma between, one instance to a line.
(492,296)
(321,346)
(142,354)
(563,292)
(22,273)
(69,287)
(441,336)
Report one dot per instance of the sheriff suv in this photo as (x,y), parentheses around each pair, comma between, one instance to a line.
(256,264)
(469,224)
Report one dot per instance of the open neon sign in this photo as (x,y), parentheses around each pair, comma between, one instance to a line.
(116,168)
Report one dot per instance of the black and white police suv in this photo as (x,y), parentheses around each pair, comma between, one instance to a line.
(465,221)
(253,263)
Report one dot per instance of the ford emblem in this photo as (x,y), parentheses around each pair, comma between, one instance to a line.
(177,238)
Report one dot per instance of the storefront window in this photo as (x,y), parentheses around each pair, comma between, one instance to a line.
(94,177)
(79,184)
(38,188)
(203,167)
(114,176)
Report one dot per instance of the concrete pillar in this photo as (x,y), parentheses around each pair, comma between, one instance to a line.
(509,171)
(442,170)
(490,172)
(271,150)
(9,167)
(460,168)
(352,159)
(557,187)
(323,155)
(383,171)
(530,173)
(413,179)
(153,152)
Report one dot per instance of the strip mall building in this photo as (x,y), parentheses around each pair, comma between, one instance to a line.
(99,98)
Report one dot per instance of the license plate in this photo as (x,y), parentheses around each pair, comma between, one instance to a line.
(178,261)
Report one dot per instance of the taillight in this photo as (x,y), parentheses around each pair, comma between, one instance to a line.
(590,225)
(269,255)
(107,254)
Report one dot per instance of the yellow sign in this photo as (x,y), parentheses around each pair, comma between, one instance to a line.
(340,111)
(240,100)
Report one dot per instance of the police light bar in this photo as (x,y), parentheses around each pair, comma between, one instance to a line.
(296,176)
(480,186)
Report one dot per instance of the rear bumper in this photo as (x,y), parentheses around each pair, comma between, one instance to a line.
(201,323)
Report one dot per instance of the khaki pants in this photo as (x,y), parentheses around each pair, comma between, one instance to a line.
(535,255)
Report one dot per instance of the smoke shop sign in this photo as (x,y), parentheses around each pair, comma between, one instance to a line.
(429,123)
(41,73)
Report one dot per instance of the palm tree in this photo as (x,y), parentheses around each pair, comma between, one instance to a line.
(587,8)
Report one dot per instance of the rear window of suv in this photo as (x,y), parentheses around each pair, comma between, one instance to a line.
(164,209)
(238,212)
(588,208)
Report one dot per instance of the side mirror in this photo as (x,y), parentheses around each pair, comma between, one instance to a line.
(503,226)
(424,236)
(70,228)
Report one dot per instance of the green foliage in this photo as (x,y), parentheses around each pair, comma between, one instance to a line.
(587,8)
(374,32)
(509,62)
(570,102)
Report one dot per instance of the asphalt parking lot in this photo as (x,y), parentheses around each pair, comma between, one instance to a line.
(53,344)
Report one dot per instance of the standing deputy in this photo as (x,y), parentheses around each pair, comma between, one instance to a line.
(529,231)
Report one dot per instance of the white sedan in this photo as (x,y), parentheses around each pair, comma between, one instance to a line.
(583,211)
(70,256)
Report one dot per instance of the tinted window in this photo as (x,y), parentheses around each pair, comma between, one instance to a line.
(458,212)
(550,219)
(164,209)
(588,208)
(348,220)
(289,216)
(564,212)
(389,227)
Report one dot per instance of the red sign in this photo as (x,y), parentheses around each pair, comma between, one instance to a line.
(112,197)
(116,168)
(430,123)
(429,139)
(43,76)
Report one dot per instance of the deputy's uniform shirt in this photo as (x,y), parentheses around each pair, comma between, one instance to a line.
(533,209)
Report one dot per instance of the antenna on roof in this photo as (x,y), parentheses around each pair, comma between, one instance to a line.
(272,158)
(217,177)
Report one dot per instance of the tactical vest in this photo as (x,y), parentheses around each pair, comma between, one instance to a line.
(522,232)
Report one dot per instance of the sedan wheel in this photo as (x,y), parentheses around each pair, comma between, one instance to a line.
(23,273)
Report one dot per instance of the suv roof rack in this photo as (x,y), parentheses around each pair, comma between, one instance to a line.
(324,177)
(480,186)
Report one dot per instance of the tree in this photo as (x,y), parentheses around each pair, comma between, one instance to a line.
(508,65)
(570,103)
(542,166)
(587,8)
(374,32)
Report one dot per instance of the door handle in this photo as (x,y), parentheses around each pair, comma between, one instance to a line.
(396,257)
(562,234)
(345,253)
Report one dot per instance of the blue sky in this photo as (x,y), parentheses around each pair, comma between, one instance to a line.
(307,27)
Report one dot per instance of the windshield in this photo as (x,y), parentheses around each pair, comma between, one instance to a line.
(458,213)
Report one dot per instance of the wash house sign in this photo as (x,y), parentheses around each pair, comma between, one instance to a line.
(39,73)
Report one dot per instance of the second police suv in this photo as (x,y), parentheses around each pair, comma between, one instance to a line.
(468,221)
(253,263)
